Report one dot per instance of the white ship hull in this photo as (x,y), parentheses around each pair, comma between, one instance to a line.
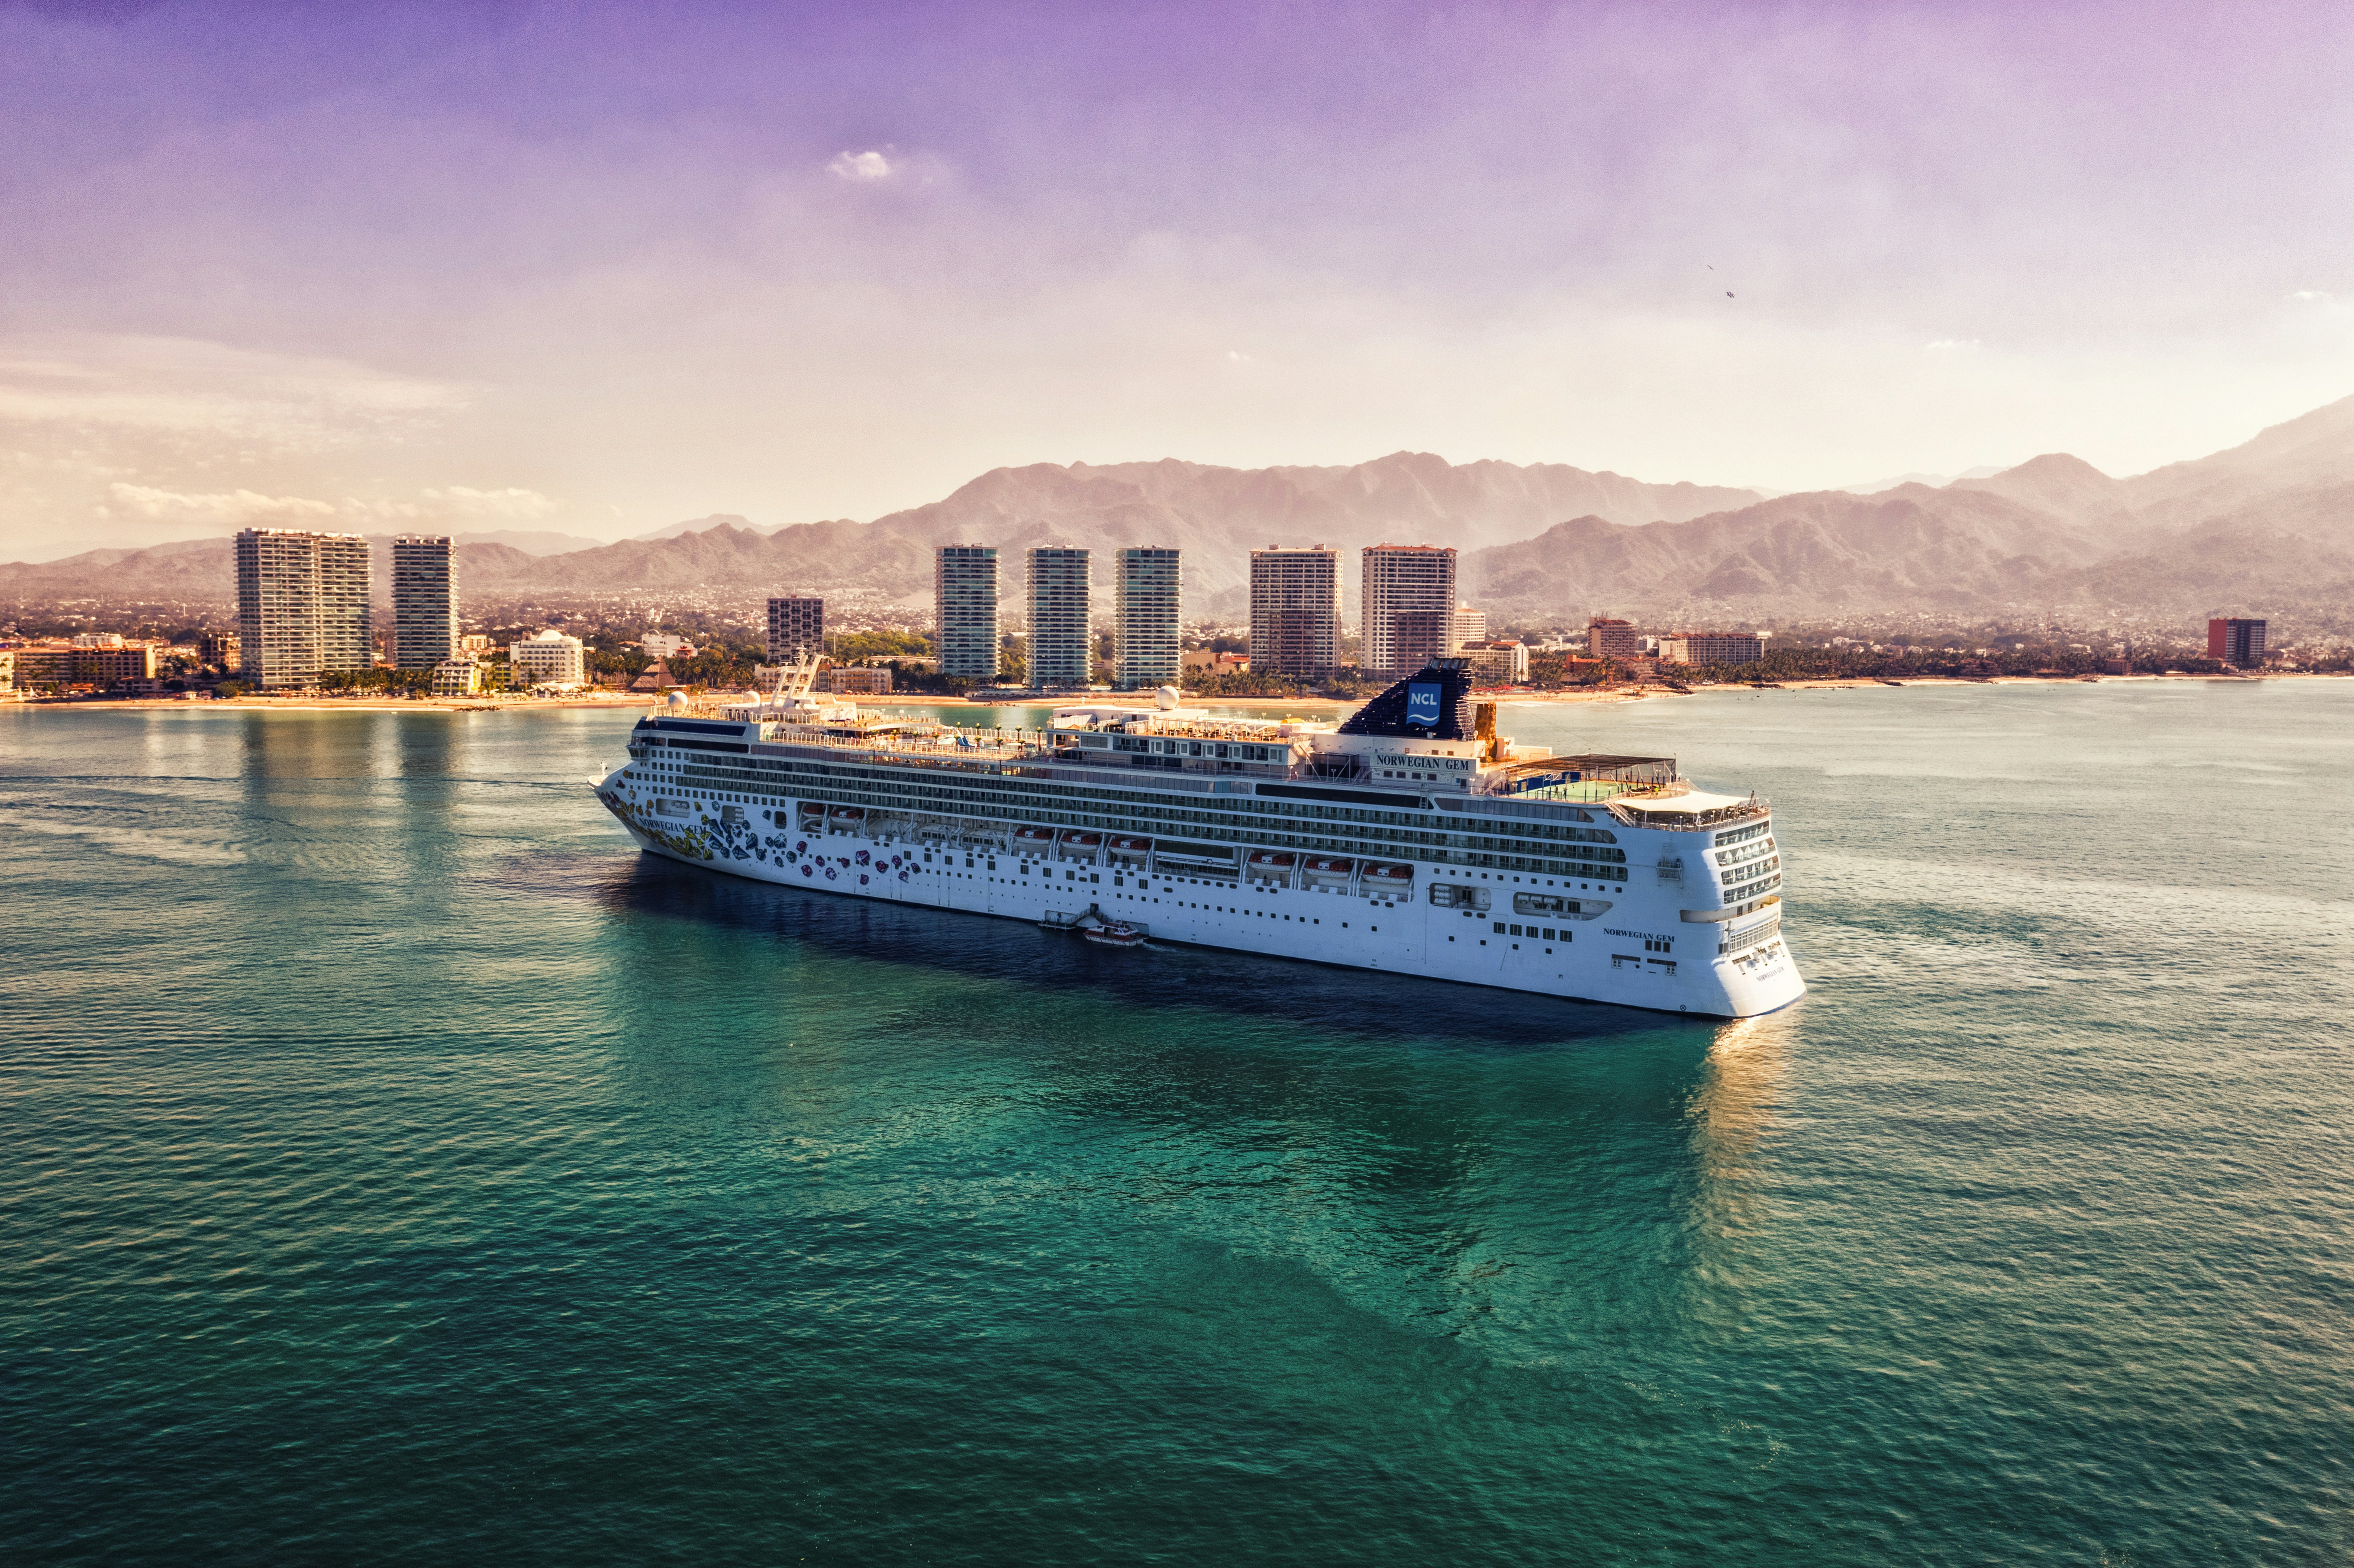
(1643,951)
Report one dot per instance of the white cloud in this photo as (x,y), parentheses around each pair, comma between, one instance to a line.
(1952,346)
(457,500)
(168,387)
(251,508)
(2313,296)
(866,165)
(226,509)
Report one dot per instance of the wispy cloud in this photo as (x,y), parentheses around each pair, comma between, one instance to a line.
(2313,296)
(866,165)
(457,500)
(163,385)
(226,509)
(1952,345)
(251,509)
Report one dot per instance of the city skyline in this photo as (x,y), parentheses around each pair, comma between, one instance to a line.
(456,268)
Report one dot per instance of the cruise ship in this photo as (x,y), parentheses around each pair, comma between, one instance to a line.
(1410,838)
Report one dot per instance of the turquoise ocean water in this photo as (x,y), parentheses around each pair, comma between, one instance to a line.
(395,1166)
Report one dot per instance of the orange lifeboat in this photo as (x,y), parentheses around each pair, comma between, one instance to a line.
(1038,837)
(1391,873)
(1077,840)
(1132,847)
(1327,865)
(1272,860)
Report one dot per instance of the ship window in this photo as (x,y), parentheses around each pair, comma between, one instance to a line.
(1500,930)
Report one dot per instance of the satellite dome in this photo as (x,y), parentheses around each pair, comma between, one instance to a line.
(678,699)
(1169,696)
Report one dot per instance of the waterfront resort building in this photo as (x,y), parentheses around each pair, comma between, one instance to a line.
(1295,606)
(657,645)
(424,602)
(459,675)
(1400,580)
(550,659)
(1608,638)
(218,649)
(1208,661)
(796,628)
(1503,662)
(858,680)
(1147,650)
(2238,644)
(301,605)
(1470,626)
(964,600)
(1711,648)
(1061,647)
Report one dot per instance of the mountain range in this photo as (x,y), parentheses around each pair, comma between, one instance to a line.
(2261,528)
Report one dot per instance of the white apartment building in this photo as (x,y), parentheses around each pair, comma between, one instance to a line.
(458,676)
(964,602)
(550,659)
(424,602)
(1061,640)
(1711,648)
(301,605)
(1505,662)
(1294,628)
(1399,578)
(1147,649)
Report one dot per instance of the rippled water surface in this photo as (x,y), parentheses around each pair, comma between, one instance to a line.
(397,1167)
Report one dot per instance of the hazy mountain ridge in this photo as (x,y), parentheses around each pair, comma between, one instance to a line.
(2262,527)
(1216,515)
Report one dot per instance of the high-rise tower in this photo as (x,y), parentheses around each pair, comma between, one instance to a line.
(1295,610)
(1059,638)
(1398,579)
(964,597)
(301,605)
(1147,648)
(424,602)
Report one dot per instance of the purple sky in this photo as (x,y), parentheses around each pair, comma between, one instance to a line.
(601,268)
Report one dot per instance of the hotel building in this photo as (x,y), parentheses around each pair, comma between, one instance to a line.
(1711,648)
(1146,646)
(424,602)
(964,597)
(1060,647)
(1295,610)
(1399,579)
(301,605)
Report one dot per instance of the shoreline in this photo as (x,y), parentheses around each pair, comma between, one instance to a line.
(631,702)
